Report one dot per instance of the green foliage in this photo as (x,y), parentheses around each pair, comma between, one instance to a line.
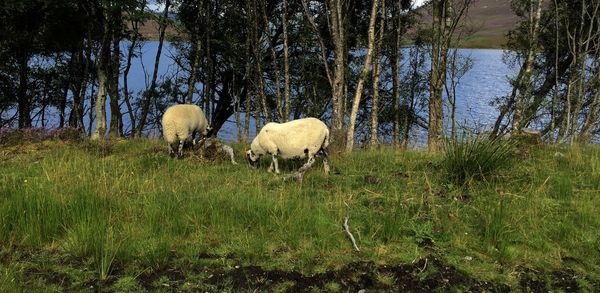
(134,218)
(476,158)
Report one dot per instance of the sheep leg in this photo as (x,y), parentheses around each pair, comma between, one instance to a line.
(325,161)
(172,148)
(309,163)
(274,165)
(180,149)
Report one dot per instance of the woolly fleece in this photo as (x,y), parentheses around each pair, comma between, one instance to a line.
(294,139)
(180,122)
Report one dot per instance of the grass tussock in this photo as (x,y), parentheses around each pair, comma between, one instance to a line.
(73,216)
(476,158)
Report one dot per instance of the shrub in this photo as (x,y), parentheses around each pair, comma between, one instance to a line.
(13,136)
(476,158)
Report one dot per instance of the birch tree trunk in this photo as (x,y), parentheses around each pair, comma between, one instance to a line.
(23,100)
(100,106)
(592,119)
(258,59)
(196,52)
(322,49)
(248,83)
(445,21)
(396,76)
(376,77)
(116,126)
(441,8)
(525,82)
(286,65)
(102,68)
(338,36)
(278,101)
(130,110)
(210,72)
(361,79)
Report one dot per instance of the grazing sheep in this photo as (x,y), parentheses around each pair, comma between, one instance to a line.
(308,137)
(180,124)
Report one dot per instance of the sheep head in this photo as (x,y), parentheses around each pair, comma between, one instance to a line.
(252,159)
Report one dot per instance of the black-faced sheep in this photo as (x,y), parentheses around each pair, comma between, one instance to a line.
(180,124)
(308,137)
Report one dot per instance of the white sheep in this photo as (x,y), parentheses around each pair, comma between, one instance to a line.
(308,137)
(180,124)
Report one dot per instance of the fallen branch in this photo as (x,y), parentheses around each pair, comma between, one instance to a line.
(424,266)
(347,229)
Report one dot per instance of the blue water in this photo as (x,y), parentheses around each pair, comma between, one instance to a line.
(477,88)
(485,81)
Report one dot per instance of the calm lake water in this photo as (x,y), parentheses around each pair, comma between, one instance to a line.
(477,88)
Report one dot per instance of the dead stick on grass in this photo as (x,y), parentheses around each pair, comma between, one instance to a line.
(347,229)
(424,266)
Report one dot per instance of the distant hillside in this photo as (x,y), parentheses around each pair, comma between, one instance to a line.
(491,19)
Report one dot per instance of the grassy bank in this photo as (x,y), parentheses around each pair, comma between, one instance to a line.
(127,217)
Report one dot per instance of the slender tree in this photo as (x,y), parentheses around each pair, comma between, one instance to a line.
(150,95)
(524,87)
(376,78)
(446,17)
(337,28)
(362,77)
(286,63)
(102,70)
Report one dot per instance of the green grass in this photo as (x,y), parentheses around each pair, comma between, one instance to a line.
(476,158)
(97,216)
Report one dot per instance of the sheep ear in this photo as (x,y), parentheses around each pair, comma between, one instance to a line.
(248,152)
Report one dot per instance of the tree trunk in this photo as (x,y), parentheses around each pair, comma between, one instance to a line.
(320,40)
(278,100)
(338,32)
(209,76)
(116,126)
(130,110)
(258,59)
(100,105)
(361,79)
(434,97)
(79,85)
(151,94)
(455,75)
(196,56)
(247,115)
(75,83)
(286,65)
(442,22)
(396,76)
(91,110)
(62,106)
(23,101)
(525,82)
(102,68)
(376,77)
(238,109)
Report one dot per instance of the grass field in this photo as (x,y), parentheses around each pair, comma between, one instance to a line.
(126,217)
